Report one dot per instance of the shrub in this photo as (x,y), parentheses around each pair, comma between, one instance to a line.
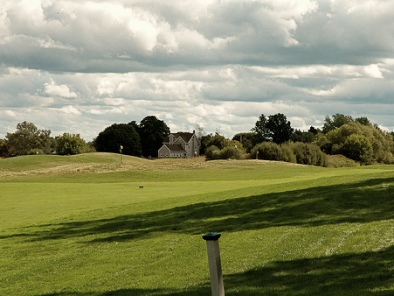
(70,144)
(307,153)
(273,151)
(232,150)
(358,148)
(339,160)
(212,153)
(363,143)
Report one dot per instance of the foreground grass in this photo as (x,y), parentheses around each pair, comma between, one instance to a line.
(94,227)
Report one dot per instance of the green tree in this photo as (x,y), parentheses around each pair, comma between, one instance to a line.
(279,128)
(219,147)
(248,140)
(217,140)
(335,121)
(261,129)
(28,139)
(363,121)
(3,148)
(118,135)
(359,148)
(275,128)
(70,144)
(305,137)
(337,142)
(152,132)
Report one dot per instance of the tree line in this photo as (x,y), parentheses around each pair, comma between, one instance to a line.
(271,138)
(143,139)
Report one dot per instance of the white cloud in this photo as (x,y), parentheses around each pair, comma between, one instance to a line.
(82,65)
(52,89)
(70,110)
(373,71)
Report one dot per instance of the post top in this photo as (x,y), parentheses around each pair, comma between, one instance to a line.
(211,236)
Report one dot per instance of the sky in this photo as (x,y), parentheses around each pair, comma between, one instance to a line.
(79,66)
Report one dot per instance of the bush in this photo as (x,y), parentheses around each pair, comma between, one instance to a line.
(212,153)
(273,151)
(363,143)
(358,148)
(339,161)
(70,144)
(307,153)
(232,150)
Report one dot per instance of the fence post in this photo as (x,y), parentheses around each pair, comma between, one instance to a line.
(215,268)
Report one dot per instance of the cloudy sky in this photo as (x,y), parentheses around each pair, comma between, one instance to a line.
(79,66)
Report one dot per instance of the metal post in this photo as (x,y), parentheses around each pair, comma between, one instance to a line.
(215,268)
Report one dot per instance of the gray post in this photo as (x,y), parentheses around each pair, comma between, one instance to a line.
(215,268)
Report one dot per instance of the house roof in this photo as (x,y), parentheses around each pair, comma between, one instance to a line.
(184,135)
(175,148)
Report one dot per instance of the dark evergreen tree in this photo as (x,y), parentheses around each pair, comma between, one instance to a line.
(279,128)
(152,132)
(117,135)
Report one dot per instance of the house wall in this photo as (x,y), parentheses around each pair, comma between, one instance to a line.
(164,152)
(192,147)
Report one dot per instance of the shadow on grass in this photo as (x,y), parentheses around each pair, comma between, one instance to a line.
(367,201)
(369,273)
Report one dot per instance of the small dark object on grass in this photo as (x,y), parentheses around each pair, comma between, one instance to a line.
(141,186)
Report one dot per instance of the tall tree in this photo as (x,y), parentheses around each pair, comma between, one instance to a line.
(117,135)
(335,121)
(260,128)
(28,139)
(279,128)
(152,132)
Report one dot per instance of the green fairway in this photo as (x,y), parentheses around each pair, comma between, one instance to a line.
(97,224)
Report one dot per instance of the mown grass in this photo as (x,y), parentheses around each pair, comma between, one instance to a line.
(135,228)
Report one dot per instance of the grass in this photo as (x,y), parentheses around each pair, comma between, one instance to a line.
(84,226)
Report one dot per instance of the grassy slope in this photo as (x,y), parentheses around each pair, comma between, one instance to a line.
(83,226)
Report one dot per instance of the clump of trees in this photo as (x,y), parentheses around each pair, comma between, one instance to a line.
(131,139)
(119,137)
(71,144)
(218,147)
(273,138)
(28,139)
(358,140)
(134,139)
(275,128)
(295,152)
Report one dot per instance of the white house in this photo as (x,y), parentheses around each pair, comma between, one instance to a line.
(180,145)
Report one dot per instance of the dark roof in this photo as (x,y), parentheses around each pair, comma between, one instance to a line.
(185,136)
(175,148)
